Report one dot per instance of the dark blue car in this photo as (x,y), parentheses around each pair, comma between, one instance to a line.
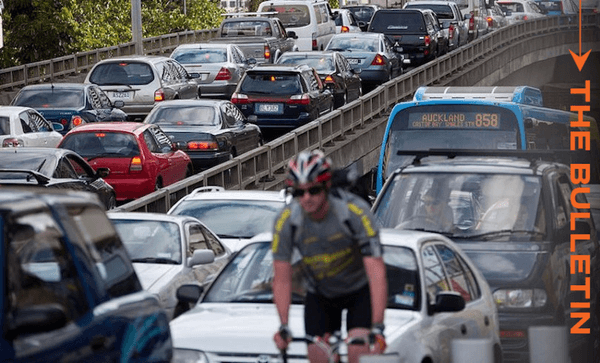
(69,290)
(68,105)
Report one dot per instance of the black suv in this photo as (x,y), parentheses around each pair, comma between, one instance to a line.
(69,290)
(417,34)
(282,96)
(514,217)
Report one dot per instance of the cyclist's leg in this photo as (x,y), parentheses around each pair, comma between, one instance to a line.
(321,319)
(358,321)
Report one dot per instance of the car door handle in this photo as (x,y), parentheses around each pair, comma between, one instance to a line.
(463,329)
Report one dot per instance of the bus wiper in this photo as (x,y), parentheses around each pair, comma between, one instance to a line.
(167,261)
(500,233)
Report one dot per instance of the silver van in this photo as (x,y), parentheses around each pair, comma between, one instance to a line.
(312,20)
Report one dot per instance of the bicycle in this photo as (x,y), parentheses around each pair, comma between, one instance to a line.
(331,347)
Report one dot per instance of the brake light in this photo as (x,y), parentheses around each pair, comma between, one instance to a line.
(451,31)
(239,99)
(525,17)
(159,95)
(329,79)
(76,121)
(427,40)
(345,29)
(223,75)
(136,164)
(267,52)
(490,21)
(378,60)
(63,121)
(12,142)
(203,145)
(303,99)
(472,22)
(315,45)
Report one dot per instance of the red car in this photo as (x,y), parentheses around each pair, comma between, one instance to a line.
(141,157)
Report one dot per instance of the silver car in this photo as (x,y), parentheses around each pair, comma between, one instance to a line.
(140,81)
(221,66)
(169,251)
(24,126)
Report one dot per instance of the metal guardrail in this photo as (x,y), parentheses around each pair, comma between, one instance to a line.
(263,168)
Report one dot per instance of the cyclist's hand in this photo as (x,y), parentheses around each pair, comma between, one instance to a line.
(283,337)
(377,342)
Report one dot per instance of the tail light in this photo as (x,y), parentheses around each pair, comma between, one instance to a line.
(315,45)
(427,40)
(159,95)
(64,121)
(239,99)
(303,99)
(490,21)
(329,80)
(76,121)
(12,142)
(203,145)
(472,22)
(223,75)
(345,29)
(267,53)
(378,60)
(451,32)
(136,164)
(525,17)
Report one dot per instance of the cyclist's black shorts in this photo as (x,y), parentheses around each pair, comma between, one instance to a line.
(323,315)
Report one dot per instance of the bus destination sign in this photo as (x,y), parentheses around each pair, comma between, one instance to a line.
(453,120)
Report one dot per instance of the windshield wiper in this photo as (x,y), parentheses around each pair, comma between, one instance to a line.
(447,234)
(261,296)
(503,232)
(167,261)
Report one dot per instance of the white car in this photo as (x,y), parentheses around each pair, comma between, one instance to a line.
(234,215)
(435,295)
(169,251)
(520,10)
(24,126)
(345,22)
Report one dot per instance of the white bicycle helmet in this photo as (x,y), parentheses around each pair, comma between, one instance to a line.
(308,167)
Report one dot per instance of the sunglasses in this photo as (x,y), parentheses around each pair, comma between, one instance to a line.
(296,193)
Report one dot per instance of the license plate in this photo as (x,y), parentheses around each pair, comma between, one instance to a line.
(269,107)
(121,95)
(353,60)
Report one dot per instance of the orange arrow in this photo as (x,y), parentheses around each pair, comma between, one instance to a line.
(580,59)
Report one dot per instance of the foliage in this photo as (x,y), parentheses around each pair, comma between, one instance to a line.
(36,30)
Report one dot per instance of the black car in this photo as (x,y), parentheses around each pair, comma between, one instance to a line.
(209,131)
(515,216)
(280,96)
(68,105)
(333,69)
(417,34)
(54,168)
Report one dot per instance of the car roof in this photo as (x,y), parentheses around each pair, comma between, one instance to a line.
(361,35)
(5,110)
(190,102)
(264,67)
(219,193)
(130,127)
(204,46)
(6,152)
(138,58)
(179,219)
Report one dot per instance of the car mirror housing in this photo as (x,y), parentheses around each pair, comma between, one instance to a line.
(102,172)
(448,301)
(201,257)
(189,293)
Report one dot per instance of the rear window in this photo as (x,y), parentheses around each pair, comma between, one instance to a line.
(357,44)
(190,116)
(100,143)
(292,16)
(513,7)
(442,11)
(125,73)
(320,63)
(196,56)
(273,83)
(397,22)
(246,28)
(51,98)
(362,13)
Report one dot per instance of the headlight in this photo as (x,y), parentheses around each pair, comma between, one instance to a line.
(188,356)
(520,298)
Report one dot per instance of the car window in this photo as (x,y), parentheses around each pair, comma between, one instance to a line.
(151,142)
(25,124)
(313,81)
(277,30)
(291,16)
(81,168)
(64,170)
(94,98)
(151,241)
(197,239)
(170,73)
(123,72)
(89,144)
(233,116)
(274,83)
(395,22)
(235,55)
(180,115)
(51,98)
(200,56)
(456,273)
(40,268)
(404,290)
(435,278)
(4,125)
(164,143)
(39,123)
(213,242)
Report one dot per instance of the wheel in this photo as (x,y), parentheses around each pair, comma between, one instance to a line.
(158,184)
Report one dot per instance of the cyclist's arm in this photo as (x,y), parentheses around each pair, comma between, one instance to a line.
(282,288)
(375,269)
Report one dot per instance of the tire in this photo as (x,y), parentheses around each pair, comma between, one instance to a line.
(158,184)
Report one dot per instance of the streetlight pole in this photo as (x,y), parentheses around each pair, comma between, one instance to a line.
(136,26)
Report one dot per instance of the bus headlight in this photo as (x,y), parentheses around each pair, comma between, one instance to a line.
(188,356)
(520,298)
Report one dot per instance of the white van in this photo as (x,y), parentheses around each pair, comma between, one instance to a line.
(312,20)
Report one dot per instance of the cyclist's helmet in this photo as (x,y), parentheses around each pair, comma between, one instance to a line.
(308,167)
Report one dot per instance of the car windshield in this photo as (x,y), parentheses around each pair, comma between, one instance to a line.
(122,73)
(320,63)
(442,11)
(395,22)
(354,44)
(249,277)
(272,83)
(463,204)
(292,16)
(188,116)
(51,98)
(232,218)
(150,241)
(199,56)
(102,144)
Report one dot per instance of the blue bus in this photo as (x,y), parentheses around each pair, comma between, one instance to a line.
(475,118)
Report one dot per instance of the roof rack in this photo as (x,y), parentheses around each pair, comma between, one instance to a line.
(519,94)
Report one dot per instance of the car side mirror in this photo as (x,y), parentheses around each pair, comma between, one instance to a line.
(448,301)
(102,172)
(189,293)
(37,319)
(292,34)
(201,257)
(362,24)
(119,104)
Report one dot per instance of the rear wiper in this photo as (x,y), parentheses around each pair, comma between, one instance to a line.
(167,261)
(503,232)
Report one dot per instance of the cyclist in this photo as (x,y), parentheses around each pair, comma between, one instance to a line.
(342,265)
